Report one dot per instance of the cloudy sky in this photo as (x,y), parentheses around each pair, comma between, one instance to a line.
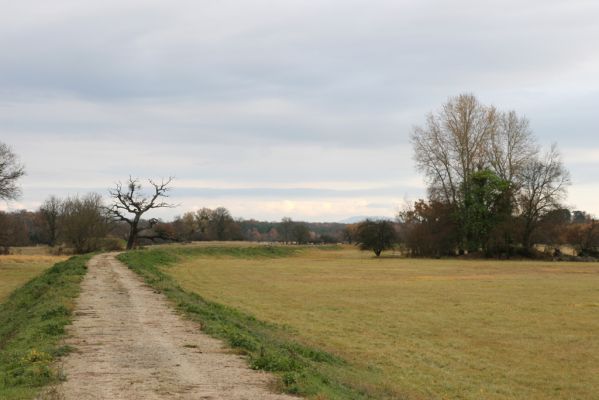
(283,108)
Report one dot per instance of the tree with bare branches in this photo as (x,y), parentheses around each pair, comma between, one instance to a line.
(453,145)
(544,184)
(51,210)
(129,203)
(10,171)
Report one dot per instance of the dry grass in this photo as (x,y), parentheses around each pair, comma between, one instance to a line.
(16,269)
(425,328)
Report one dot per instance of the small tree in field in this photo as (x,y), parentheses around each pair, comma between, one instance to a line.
(130,203)
(376,236)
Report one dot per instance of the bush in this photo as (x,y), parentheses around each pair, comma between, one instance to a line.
(376,236)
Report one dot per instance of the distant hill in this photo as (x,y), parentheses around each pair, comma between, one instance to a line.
(360,218)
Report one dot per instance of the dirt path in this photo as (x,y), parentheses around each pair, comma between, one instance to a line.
(130,344)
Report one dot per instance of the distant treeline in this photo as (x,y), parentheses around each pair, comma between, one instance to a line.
(83,224)
(492,192)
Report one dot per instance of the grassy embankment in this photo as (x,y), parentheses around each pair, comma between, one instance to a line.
(32,321)
(406,328)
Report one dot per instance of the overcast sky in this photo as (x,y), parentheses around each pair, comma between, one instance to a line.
(283,108)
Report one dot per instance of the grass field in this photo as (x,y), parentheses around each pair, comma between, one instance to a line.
(16,269)
(421,328)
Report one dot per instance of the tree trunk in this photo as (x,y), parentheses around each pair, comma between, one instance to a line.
(526,236)
(132,234)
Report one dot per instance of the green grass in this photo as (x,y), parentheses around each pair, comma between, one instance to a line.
(416,328)
(302,369)
(32,322)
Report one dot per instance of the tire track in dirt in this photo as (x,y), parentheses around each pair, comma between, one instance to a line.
(130,344)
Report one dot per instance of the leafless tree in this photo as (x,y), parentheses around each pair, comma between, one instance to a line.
(511,146)
(50,211)
(10,171)
(83,222)
(130,203)
(544,184)
(453,144)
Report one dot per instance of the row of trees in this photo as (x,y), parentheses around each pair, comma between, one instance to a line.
(433,233)
(219,224)
(77,222)
(86,224)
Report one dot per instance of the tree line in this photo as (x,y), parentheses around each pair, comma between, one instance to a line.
(491,190)
(86,223)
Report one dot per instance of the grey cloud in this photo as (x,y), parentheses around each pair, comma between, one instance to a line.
(270,93)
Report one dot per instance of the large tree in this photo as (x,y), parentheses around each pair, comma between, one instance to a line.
(130,202)
(453,145)
(11,170)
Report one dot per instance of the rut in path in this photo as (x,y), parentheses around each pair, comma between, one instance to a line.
(130,344)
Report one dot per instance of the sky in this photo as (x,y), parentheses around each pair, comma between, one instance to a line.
(283,108)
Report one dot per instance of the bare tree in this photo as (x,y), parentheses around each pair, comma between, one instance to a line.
(453,145)
(130,203)
(544,183)
(83,222)
(10,171)
(511,147)
(51,210)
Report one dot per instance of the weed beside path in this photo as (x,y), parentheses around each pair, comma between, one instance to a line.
(32,322)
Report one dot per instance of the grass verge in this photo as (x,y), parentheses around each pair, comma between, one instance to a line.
(302,370)
(32,322)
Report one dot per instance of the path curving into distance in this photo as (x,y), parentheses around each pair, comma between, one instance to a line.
(130,344)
